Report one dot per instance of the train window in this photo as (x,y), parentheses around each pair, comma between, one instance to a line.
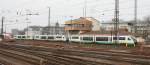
(28,36)
(88,38)
(43,37)
(19,36)
(75,37)
(23,37)
(50,37)
(101,38)
(121,38)
(134,39)
(81,38)
(58,37)
(110,38)
(37,36)
(114,38)
(129,39)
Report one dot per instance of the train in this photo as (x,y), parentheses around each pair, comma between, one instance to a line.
(97,39)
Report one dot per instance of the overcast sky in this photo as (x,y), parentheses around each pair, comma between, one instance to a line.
(61,10)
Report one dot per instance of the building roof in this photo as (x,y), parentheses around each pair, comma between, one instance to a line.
(78,21)
(109,32)
(92,19)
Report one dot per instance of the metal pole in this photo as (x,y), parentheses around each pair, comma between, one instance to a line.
(2,36)
(83,12)
(49,15)
(71,32)
(116,17)
(27,28)
(135,15)
(85,8)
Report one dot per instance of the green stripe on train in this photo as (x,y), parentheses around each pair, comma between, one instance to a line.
(103,42)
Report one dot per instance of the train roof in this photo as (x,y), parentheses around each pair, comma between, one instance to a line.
(106,35)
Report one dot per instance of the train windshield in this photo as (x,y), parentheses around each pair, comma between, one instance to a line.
(134,39)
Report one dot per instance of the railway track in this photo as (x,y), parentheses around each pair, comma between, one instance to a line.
(65,57)
(2,62)
(9,58)
(54,59)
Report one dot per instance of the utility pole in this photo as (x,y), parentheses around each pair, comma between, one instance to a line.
(83,12)
(116,17)
(27,19)
(28,28)
(85,8)
(49,16)
(2,36)
(135,16)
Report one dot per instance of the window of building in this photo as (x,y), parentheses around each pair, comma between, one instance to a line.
(101,38)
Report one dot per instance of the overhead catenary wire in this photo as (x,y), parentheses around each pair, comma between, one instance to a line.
(99,1)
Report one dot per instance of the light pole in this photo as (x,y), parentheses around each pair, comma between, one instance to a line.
(135,15)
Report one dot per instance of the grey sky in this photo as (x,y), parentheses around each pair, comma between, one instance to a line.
(61,10)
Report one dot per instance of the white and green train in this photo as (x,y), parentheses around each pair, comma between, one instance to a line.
(106,39)
(98,39)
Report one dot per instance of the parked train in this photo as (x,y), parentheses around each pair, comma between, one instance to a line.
(98,39)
